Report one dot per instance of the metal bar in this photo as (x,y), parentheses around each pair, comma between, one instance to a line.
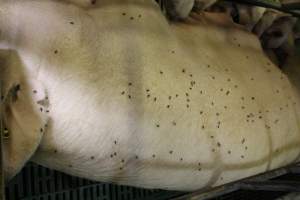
(2,186)
(278,186)
(293,4)
(208,193)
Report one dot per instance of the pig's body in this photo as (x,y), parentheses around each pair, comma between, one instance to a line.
(134,100)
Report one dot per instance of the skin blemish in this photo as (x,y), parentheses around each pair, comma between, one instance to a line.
(212,137)
(183,71)
(55,51)
(176,95)
(213,77)
(148,95)
(93,2)
(147,90)
(226,70)
(129,84)
(161,72)
(41,130)
(181,159)
(70,166)
(191,75)
(115,153)
(201,92)
(199,169)
(225,107)
(72,23)
(129,96)
(115,142)
(122,160)
(201,112)
(188,100)
(92,157)
(212,103)
(219,144)
(227,93)
(221,89)
(252,98)
(121,168)
(235,86)
(154,99)
(170,97)
(208,66)
(187,105)
(153,156)
(243,140)
(123,92)
(187,94)
(131,18)
(111,155)
(41,109)
(157,125)
(217,114)
(170,152)
(218,125)
(228,79)
(203,127)
(268,70)
(34,91)
(136,157)
(174,123)
(140,16)
(229,152)
(123,14)
(168,106)
(252,79)
(242,157)
(213,150)
(243,107)
(55,151)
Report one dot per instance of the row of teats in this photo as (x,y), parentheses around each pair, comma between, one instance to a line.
(277,31)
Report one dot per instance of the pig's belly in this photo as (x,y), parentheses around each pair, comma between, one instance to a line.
(174,129)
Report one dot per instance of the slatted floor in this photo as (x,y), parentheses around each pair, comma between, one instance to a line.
(38,183)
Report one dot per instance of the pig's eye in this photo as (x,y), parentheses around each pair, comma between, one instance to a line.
(5,133)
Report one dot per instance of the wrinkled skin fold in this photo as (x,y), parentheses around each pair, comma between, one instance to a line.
(118,94)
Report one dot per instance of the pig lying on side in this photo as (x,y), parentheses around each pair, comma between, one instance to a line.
(115,93)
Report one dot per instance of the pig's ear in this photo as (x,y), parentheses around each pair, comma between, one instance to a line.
(24,105)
